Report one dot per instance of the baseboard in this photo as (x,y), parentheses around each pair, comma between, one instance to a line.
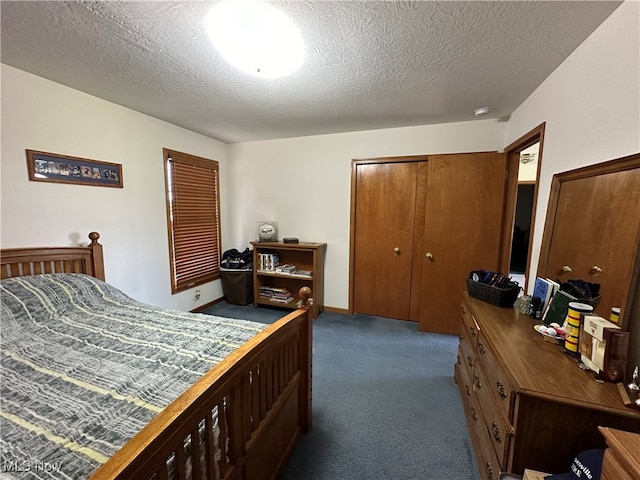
(343,311)
(206,305)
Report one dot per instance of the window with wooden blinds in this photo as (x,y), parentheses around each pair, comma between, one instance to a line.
(193,218)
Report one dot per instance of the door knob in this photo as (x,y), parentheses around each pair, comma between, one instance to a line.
(429,255)
(566,269)
(596,269)
(396,251)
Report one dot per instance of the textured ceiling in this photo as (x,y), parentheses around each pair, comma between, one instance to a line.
(368,64)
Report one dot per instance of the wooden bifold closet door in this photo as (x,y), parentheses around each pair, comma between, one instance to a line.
(463,231)
(420,226)
(384,230)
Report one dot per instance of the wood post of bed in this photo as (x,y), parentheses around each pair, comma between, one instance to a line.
(97,259)
(307,357)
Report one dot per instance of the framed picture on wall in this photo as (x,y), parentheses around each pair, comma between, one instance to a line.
(53,167)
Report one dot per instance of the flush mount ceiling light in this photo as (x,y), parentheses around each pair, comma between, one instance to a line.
(481,111)
(255,37)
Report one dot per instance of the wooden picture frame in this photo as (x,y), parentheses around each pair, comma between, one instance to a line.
(53,167)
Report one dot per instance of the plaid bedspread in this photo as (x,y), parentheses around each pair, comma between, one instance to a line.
(84,367)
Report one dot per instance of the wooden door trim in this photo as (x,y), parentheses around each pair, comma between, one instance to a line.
(352,220)
(535,135)
(405,158)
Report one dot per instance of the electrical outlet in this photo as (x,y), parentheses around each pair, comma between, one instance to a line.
(196,295)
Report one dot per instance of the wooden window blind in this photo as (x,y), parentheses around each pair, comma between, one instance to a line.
(193,218)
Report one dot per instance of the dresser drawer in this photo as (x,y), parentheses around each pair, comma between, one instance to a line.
(467,352)
(498,429)
(496,380)
(464,379)
(488,464)
(469,324)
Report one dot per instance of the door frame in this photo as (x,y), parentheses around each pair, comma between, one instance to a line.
(352,221)
(536,135)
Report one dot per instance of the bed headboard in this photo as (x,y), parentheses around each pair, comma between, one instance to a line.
(19,262)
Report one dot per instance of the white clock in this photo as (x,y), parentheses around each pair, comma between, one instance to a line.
(267,231)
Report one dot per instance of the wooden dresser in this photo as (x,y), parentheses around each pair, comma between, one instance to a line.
(527,403)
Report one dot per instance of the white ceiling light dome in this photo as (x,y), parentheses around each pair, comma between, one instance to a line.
(255,37)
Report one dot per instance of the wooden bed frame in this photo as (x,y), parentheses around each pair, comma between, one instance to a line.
(261,392)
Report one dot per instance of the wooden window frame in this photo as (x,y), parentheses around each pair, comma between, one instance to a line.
(192,263)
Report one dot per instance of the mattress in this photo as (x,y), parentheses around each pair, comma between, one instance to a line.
(84,367)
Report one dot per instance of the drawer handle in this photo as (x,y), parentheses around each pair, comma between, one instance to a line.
(501,390)
(468,389)
(474,414)
(496,432)
(459,360)
(464,312)
(470,361)
(481,348)
(476,381)
(489,470)
(472,331)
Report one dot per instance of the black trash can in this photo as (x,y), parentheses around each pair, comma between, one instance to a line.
(236,275)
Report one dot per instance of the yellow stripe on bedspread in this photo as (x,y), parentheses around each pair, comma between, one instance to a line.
(64,442)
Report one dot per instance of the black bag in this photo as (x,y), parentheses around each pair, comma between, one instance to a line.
(236,259)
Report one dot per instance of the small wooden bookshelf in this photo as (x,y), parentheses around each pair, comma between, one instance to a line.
(307,257)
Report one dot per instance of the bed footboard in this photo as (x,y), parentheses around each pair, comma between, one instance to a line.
(240,421)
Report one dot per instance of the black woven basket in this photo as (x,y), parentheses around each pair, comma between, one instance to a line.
(500,297)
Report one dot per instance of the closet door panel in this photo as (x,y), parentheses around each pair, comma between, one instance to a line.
(384,229)
(464,211)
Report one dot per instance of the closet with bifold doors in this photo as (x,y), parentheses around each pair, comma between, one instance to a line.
(419,224)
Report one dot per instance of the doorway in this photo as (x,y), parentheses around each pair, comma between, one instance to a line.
(525,155)
(522,224)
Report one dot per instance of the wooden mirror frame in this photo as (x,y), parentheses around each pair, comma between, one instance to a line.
(612,166)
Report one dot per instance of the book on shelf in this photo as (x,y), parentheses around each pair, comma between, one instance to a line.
(273,290)
(542,289)
(268,261)
(286,268)
(281,300)
(275,294)
(302,273)
(555,287)
(558,308)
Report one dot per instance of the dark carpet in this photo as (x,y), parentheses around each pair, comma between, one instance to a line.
(385,405)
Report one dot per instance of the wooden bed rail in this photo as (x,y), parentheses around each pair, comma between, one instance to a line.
(241,420)
(17,262)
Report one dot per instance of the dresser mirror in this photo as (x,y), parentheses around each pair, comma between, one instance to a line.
(592,233)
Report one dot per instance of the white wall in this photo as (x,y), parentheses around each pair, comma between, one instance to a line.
(41,115)
(305,183)
(591,106)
